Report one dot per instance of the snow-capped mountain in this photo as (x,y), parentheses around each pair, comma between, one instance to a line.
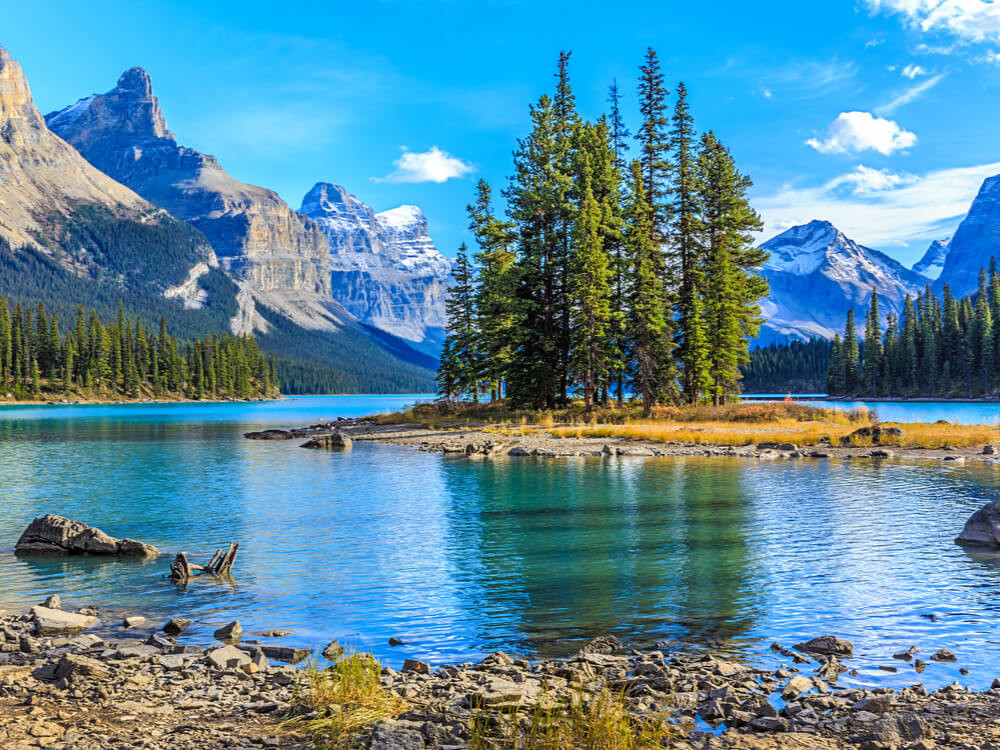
(976,241)
(933,261)
(384,266)
(816,273)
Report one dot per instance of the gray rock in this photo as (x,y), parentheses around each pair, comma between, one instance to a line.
(56,622)
(82,666)
(390,734)
(983,527)
(52,602)
(55,535)
(333,651)
(989,450)
(228,657)
(336,441)
(229,633)
(176,626)
(286,653)
(826,644)
(135,622)
(414,665)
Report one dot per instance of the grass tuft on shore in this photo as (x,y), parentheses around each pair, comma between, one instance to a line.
(602,722)
(336,704)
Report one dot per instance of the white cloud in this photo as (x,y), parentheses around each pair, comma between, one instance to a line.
(879,208)
(868,181)
(968,20)
(768,94)
(853,132)
(992,57)
(909,95)
(912,71)
(433,165)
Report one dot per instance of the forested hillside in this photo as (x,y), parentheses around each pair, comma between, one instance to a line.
(123,360)
(789,367)
(941,347)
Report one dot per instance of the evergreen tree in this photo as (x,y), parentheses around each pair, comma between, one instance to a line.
(733,286)
(462,336)
(872,348)
(652,369)
(590,294)
(851,355)
(497,312)
(654,141)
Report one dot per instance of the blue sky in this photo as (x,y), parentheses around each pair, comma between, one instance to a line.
(879,115)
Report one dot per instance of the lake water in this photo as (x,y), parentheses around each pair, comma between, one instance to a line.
(459,558)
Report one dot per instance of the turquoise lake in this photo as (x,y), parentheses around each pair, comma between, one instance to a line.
(460,558)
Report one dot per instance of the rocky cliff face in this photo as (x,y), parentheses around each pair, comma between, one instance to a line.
(39,174)
(384,267)
(256,236)
(57,207)
(975,243)
(816,274)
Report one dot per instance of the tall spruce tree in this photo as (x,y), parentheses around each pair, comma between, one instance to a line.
(651,363)
(590,292)
(872,365)
(733,286)
(462,339)
(497,312)
(654,144)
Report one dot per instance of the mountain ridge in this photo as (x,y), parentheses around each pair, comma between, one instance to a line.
(816,272)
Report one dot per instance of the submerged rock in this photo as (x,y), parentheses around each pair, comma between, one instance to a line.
(983,527)
(55,535)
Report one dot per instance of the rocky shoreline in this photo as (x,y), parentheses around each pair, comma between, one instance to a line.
(481,441)
(67,689)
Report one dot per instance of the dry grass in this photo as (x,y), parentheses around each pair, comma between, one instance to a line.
(736,424)
(602,722)
(337,703)
(915,435)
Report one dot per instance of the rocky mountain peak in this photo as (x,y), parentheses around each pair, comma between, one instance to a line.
(384,267)
(15,94)
(976,241)
(137,80)
(329,200)
(816,272)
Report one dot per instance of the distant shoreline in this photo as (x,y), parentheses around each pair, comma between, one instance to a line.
(872,400)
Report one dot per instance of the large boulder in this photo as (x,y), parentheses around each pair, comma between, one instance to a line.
(336,441)
(56,622)
(983,527)
(55,535)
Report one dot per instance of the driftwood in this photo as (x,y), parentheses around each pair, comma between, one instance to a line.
(220,565)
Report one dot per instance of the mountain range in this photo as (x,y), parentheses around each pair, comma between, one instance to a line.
(83,189)
(816,273)
(100,203)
